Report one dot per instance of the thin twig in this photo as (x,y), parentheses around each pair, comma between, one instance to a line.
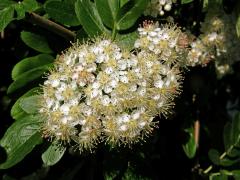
(51,26)
(197,132)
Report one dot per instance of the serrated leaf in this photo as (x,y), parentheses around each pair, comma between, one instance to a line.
(129,13)
(190,147)
(31,63)
(35,41)
(25,6)
(27,77)
(62,12)
(186,1)
(108,10)
(214,156)
(89,18)
(30,104)
(16,111)
(20,139)
(53,154)
(6,16)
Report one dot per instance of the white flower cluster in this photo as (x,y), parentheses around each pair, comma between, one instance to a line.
(158,7)
(99,91)
(218,41)
(168,42)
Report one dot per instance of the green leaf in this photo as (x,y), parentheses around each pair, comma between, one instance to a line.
(53,154)
(27,77)
(31,63)
(62,12)
(218,176)
(6,16)
(5,4)
(214,156)
(186,1)
(30,104)
(25,6)
(231,133)
(89,18)
(20,139)
(123,2)
(108,10)
(35,41)
(127,41)
(16,111)
(129,13)
(190,147)
(238,26)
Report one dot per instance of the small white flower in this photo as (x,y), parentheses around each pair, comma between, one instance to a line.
(55,82)
(65,109)
(123,79)
(123,128)
(159,83)
(105,100)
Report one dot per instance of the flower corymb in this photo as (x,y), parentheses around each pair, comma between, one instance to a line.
(98,91)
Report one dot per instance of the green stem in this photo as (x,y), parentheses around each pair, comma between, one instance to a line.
(114,32)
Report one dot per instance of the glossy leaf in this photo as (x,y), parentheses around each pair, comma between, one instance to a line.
(20,139)
(17,112)
(238,26)
(30,104)
(62,12)
(108,10)
(31,63)
(53,154)
(129,13)
(35,41)
(27,77)
(89,18)
(6,16)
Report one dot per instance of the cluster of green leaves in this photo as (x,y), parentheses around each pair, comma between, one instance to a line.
(228,161)
(108,17)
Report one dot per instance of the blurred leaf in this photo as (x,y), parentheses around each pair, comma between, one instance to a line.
(16,111)
(35,41)
(236,174)
(108,10)
(62,12)
(190,147)
(89,18)
(6,3)
(238,25)
(186,1)
(127,41)
(25,6)
(231,135)
(218,176)
(20,139)
(31,63)
(6,16)
(123,2)
(53,154)
(27,77)
(30,104)
(129,13)
(214,156)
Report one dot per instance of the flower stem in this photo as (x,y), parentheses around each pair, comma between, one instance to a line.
(51,26)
